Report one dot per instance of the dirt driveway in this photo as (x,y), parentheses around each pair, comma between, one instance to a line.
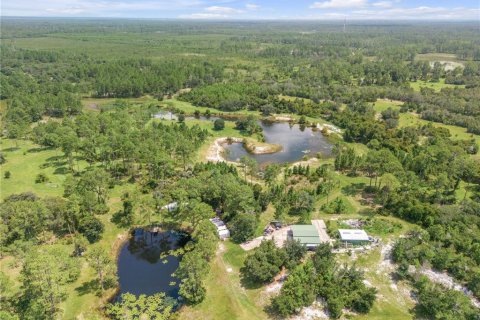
(279,236)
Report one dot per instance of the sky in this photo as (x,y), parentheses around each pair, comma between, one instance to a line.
(249,9)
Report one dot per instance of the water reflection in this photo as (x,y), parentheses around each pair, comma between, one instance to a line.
(145,265)
(296,140)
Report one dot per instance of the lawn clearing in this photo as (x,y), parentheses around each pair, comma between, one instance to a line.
(226,297)
(25,161)
(437,86)
(458,133)
(383,104)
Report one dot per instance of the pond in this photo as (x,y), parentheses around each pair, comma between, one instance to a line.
(145,265)
(296,142)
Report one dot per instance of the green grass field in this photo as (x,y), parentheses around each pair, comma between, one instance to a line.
(226,297)
(437,57)
(459,133)
(25,162)
(437,86)
(189,108)
(383,104)
(412,119)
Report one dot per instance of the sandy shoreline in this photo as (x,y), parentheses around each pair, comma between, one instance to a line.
(216,150)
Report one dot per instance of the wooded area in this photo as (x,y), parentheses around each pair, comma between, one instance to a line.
(85,160)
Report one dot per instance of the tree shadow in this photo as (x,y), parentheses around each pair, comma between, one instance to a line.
(248,283)
(54,159)
(353,189)
(272,313)
(39,149)
(61,170)
(87,287)
(11,149)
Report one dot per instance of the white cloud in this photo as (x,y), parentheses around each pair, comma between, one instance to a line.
(417,13)
(383,4)
(339,4)
(203,15)
(65,11)
(251,6)
(224,10)
(92,8)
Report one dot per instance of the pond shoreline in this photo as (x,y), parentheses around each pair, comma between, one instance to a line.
(216,149)
(255,147)
(122,238)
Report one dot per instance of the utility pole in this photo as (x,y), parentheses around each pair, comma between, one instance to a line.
(345,24)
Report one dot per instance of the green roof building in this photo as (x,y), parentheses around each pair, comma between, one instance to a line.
(307,234)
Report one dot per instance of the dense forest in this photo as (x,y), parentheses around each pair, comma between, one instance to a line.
(85,161)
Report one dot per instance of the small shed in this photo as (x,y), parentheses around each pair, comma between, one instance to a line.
(306,234)
(222,230)
(170,207)
(354,236)
(223,233)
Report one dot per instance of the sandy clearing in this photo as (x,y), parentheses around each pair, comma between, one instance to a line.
(215,151)
(315,311)
(279,236)
(447,281)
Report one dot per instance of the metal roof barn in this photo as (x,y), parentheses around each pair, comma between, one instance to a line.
(353,235)
(306,234)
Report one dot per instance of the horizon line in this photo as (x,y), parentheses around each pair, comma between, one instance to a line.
(341,19)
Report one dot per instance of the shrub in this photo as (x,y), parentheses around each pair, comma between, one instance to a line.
(91,228)
(219,124)
(41,178)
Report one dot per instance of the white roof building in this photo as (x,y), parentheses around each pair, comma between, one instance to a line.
(170,207)
(353,235)
(222,230)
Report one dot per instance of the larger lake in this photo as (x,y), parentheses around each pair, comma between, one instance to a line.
(145,265)
(296,142)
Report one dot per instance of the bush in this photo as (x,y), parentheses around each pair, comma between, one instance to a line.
(7,175)
(219,124)
(41,178)
(264,263)
(192,290)
(91,228)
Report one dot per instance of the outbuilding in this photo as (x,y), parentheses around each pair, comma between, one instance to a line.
(306,234)
(222,230)
(354,236)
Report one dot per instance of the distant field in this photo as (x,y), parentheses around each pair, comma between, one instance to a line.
(95,104)
(189,108)
(290,98)
(124,44)
(458,133)
(437,57)
(383,104)
(437,86)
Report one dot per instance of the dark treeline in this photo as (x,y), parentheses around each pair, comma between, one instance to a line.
(309,61)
